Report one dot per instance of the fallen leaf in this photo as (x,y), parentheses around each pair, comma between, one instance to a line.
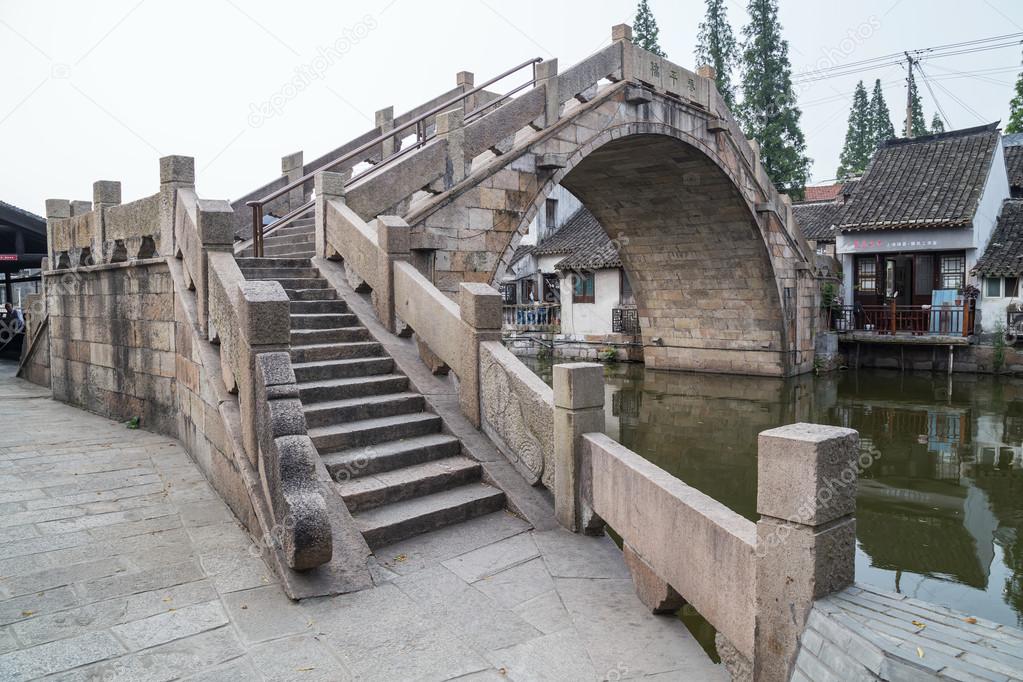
(304,670)
(167,599)
(400,557)
(918,624)
(919,652)
(28,613)
(970,619)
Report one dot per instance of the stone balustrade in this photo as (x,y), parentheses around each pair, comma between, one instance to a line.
(755,583)
(129,339)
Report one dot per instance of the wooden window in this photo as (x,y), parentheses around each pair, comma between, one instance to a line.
(952,272)
(1011,287)
(866,274)
(923,275)
(551,216)
(551,289)
(625,287)
(508,291)
(992,287)
(582,287)
(529,291)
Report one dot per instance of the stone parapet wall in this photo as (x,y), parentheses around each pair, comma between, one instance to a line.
(517,411)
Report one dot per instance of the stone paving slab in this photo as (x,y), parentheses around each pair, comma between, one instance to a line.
(119,562)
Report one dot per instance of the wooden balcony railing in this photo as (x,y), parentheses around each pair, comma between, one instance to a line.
(917,320)
(533,317)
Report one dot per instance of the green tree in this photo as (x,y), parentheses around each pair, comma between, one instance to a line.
(937,125)
(768,111)
(716,46)
(881,128)
(1015,124)
(645,29)
(859,144)
(916,111)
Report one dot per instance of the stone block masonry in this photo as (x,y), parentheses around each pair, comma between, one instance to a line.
(112,341)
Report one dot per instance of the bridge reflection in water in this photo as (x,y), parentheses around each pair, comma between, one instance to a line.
(940,507)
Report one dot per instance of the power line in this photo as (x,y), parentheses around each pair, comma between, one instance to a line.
(927,82)
(937,52)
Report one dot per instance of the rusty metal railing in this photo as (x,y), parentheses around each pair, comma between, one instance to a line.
(259,231)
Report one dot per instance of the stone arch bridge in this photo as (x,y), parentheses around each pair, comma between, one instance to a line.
(723,279)
(332,436)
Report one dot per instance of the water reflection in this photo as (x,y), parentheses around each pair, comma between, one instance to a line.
(940,510)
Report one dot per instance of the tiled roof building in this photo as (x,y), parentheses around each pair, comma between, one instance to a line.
(1004,254)
(926,182)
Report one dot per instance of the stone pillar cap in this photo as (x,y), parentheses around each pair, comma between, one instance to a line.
(578,385)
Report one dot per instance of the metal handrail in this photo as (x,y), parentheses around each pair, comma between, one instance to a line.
(419,123)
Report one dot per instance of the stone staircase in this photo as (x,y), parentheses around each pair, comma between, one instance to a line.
(293,241)
(398,472)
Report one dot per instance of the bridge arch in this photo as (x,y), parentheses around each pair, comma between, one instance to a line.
(690,243)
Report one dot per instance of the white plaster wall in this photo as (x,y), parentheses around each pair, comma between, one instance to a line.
(580,319)
(992,308)
(568,204)
(847,278)
(996,191)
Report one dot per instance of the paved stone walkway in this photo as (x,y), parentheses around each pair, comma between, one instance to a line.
(118,561)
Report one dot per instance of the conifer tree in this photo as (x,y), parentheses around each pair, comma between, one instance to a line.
(644,29)
(716,46)
(881,128)
(937,125)
(859,144)
(768,111)
(1015,124)
(916,112)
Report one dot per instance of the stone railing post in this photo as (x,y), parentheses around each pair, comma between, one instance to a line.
(480,309)
(578,409)
(385,122)
(80,207)
(547,75)
(707,71)
(328,187)
(465,81)
(56,209)
(292,170)
(265,325)
(176,172)
(451,128)
(105,193)
(806,536)
(394,239)
(215,227)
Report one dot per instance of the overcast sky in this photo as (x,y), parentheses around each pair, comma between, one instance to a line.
(101,90)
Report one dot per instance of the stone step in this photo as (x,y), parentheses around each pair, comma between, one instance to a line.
(351,387)
(307,337)
(252,263)
(390,523)
(418,480)
(289,251)
(341,369)
(296,239)
(336,306)
(373,431)
(373,459)
(323,320)
(300,283)
(294,229)
(365,407)
(280,273)
(311,294)
(320,352)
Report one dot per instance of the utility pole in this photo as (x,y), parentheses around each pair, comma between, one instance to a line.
(909,95)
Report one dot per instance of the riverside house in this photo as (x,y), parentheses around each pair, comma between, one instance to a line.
(912,232)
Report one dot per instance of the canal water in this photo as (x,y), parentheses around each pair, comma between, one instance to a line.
(940,509)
